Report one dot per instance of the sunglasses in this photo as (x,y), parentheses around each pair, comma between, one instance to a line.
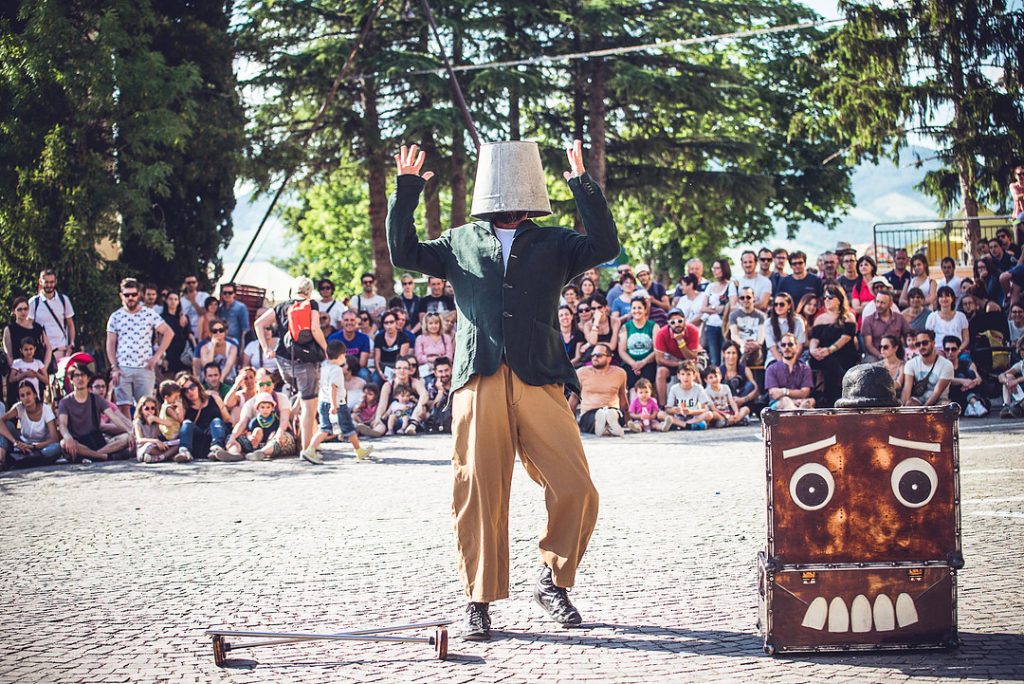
(786,345)
(778,304)
(367,282)
(952,350)
(217,331)
(885,346)
(326,288)
(148,409)
(229,293)
(829,296)
(407,282)
(265,383)
(746,299)
(765,259)
(21,308)
(129,294)
(924,343)
(582,309)
(599,355)
(190,387)
(796,263)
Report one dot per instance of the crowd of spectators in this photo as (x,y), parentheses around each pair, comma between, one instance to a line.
(184,374)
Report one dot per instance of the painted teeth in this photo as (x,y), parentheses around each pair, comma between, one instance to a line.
(861,616)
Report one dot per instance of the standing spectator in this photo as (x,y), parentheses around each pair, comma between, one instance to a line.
(946,321)
(328,304)
(783,319)
(890,348)
(746,327)
(219,350)
(966,380)
(150,294)
(829,267)
(764,263)
(657,297)
(719,294)
(368,300)
(850,278)
(862,294)
(435,301)
(52,310)
(832,343)
(603,403)
(920,279)
(78,420)
(739,378)
(300,349)
(759,284)
(35,442)
(408,300)
(193,301)
(623,304)
(929,374)
(21,328)
(181,332)
(949,277)
(432,342)
(133,363)
(789,382)
(357,345)
(883,321)
(801,282)
(695,267)
(688,406)
(691,300)
(234,313)
(1017,195)
(636,344)
(808,309)
(390,344)
(204,430)
(252,355)
(779,258)
(207,318)
(917,313)
(598,325)
(674,344)
(899,275)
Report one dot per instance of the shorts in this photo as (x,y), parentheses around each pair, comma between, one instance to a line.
(345,424)
(586,421)
(304,377)
(1017,275)
(134,384)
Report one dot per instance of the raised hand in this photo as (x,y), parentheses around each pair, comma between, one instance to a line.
(575,156)
(409,160)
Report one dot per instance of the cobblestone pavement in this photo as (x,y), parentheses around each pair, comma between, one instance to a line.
(113,572)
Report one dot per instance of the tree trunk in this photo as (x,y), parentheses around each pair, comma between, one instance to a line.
(376,177)
(458,169)
(431,196)
(596,164)
(964,157)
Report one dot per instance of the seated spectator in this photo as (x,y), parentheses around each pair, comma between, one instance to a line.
(150,445)
(603,404)
(746,327)
(783,319)
(622,305)
(738,377)
(204,430)
(368,326)
(688,406)
(807,308)
(172,415)
(832,343)
(890,348)
(99,386)
(281,441)
(78,420)
(1012,381)
(949,277)
(243,389)
(909,345)
(588,287)
(1002,259)
(800,282)
(644,413)
(879,323)
(28,368)
(726,411)
(404,375)
(573,340)
(389,345)
(570,296)
(234,313)
(357,344)
(759,284)
(332,407)
(861,291)
(207,317)
(365,416)
(879,284)
(1015,322)
(946,321)
(219,350)
(439,388)
(435,301)
(849,279)
(1012,281)
(636,344)
(407,300)
(987,286)
(674,344)
(353,383)
(598,326)
(212,380)
(963,388)
(920,279)
(916,312)
(720,293)
(929,374)
(789,382)
(35,442)
(432,343)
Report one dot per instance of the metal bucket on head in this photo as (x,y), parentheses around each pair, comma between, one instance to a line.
(509,178)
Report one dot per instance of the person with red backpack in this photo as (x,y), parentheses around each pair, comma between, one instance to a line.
(300,348)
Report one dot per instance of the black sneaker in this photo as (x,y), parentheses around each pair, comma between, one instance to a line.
(555,600)
(476,626)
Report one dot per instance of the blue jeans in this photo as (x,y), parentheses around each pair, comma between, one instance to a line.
(48,455)
(217,433)
(715,339)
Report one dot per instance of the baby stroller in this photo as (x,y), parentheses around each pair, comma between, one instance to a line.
(60,384)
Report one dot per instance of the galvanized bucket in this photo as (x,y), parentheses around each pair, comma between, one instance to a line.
(509,178)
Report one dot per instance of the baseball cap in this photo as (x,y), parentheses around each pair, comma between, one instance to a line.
(880,280)
(642,268)
(676,311)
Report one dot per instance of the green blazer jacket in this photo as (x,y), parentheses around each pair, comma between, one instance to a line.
(506,312)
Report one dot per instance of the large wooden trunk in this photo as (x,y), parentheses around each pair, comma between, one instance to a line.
(863,535)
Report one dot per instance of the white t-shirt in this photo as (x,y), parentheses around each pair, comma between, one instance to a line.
(918,370)
(374,305)
(693,398)
(1017,369)
(334,309)
(54,323)
(943,327)
(691,308)
(34,431)
(720,398)
(798,330)
(759,284)
(134,335)
(331,375)
(715,297)
(34,365)
(505,237)
(191,312)
(1015,332)
(257,359)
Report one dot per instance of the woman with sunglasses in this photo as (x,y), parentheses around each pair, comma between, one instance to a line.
(20,328)
(891,349)
(204,430)
(220,350)
(597,325)
(920,278)
(35,442)
(831,343)
(782,319)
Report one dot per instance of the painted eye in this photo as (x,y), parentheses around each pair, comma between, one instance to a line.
(914,481)
(812,486)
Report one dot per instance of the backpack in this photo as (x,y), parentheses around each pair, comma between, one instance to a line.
(300,322)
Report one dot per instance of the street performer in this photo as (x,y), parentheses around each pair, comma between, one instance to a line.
(510,364)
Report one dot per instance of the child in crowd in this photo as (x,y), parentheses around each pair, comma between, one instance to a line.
(399,413)
(366,413)
(150,445)
(726,412)
(688,404)
(909,346)
(172,413)
(265,422)
(333,406)
(28,367)
(644,413)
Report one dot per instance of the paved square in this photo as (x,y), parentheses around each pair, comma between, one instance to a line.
(111,573)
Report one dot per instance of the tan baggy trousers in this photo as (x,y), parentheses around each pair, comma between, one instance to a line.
(494,417)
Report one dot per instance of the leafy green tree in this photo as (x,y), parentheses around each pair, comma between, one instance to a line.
(949,71)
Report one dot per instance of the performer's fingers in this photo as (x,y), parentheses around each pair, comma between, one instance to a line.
(420,159)
(398,161)
(577,146)
(403,153)
(567,175)
(428,175)
(412,153)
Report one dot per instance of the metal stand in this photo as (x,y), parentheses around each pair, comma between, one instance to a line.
(439,641)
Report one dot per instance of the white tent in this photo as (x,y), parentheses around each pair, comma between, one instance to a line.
(277,281)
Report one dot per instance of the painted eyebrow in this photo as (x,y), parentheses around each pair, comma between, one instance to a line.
(808,448)
(934,447)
